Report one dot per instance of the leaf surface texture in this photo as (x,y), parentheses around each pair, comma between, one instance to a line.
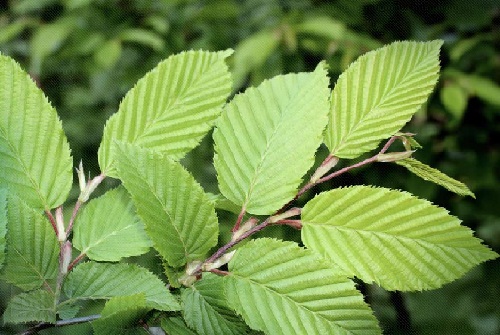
(108,229)
(35,158)
(390,237)
(171,108)
(179,217)
(280,288)
(93,280)
(378,94)
(266,139)
(32,247)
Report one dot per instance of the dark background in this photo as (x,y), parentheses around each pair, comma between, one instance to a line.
(86,54)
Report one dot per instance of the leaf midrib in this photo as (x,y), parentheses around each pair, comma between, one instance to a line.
(386,235)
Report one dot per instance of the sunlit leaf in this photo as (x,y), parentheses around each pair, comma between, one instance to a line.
(107,229)
(171,108)
(281,288)
(378,94)
(433,175)
(32,247)
(266,139)
(179,217)
(35,158)
(390,237)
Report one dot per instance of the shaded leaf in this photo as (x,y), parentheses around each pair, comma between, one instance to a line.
(175,325)
(35,158)
(31,306)
(32,247)
(206,309)
(378,94)
(266,139)
(92,280)
(281,288)
(120,316)
(179,217)
(433,175)
(171,108)
(3,224)
(108,229)
(390,237)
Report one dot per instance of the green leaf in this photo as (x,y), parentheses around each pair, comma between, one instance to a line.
(108,53)
(266,139)
(378,94)
(433,175)
(484,88)
(220,202)
(92,280)
(281,288)
(179,217)
(32,247)
(454,98)
(35,158)
(175,325)
(245,57)
(108,229)
(390,237)
(49,37)
(143,37)
(171,108)
(3,224)
(322,26)
(206,309)
(120,316)
(31,306)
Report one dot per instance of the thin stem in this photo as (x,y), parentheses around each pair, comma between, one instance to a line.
(78,204)
(297,224)
(75,261)
(222,250)
(347,168)
(281,216)
(238,221)
(74,321)
(219,272)
(52,220)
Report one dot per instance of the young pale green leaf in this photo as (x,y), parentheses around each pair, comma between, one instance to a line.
(35,158)
(31,306)
(179,217)
(92,280)
(176,325)
(171,108)
(281,288)
(3,224)
(120,316)
(378,94)
(390,237)
(108,229)
(206,309)
(32,247)
(266,139)
(433,175)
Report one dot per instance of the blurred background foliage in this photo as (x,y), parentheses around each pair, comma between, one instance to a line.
(86,54)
